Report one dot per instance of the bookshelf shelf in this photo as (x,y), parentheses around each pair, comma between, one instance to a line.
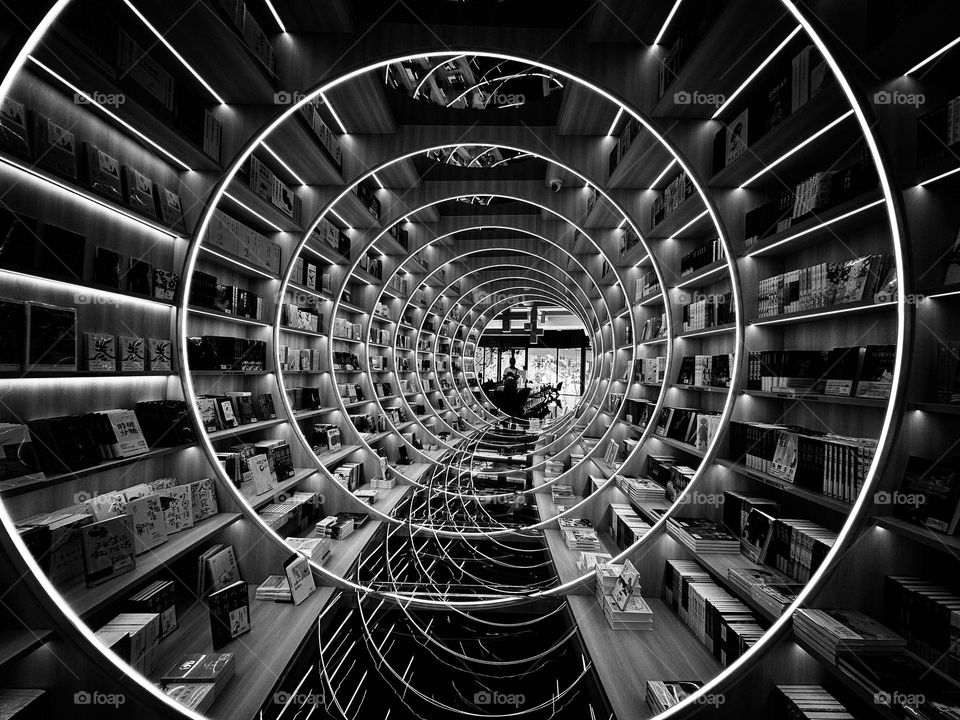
(245,429)
(261,659)
(264,499)
(253,211)
(238,263)
(940,408)
(227,317)
(38,481)
(685,447)
(824,314)
(837,506)
(830,399)
(918,533)
(87,601)
(16,644)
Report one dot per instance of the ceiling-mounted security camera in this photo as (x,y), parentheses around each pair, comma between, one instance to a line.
(555,184)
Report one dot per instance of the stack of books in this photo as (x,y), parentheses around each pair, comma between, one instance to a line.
(771,590)
(589,561)
(606,575)
(275,588)
(837,632)
(635,615)
(197,679)
(626,527)
(810,701)
(641,490)
(582,539)
(369,496)
(703,536)
(383,483)
(663,694)
(316,548)
(562,495)
(904,684)
(335,528)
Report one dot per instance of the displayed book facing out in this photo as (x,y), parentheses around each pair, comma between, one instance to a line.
(108,549)
(229,609)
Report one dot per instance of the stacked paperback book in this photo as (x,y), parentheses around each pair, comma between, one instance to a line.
(335,527)
(579,534)
(641,491)
(275,588)
(618,593)
(197,679)
(316,549)
(810,702)
(837,632)
(703,536)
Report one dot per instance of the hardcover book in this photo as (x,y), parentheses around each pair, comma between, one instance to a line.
(168,204)
(54,147)
(300,577)
(229,613)
(138,192)
(756,536)
(222,569)
(107,268)
(139,277)
(103,173)
(51,337)
(147,520)
(165,284)
(13,127)
(101,352)
(159,358)
(61,253)
(108,549)
(876,372)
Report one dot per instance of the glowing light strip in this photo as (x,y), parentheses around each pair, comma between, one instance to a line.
(276,16)
(948,173)
(113,116)
(339,217)
(226,317)
(706,331)
(756,72)
(377,181)
(254,212)
(616,119)
(89,197)
(666,23)
(663,174)
(695,278)
(949,293)
(173,50)
(333,113)
(622,223)
(239,263)
(820,314)
(689,225)
(283,164)
(815,228)
(933,57)
(797,149)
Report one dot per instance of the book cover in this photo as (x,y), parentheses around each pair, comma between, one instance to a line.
(103,173)
(107,268)
(876,372)
(131,354)
(756,536)
(148,522)
(51,337)
(203,496)
(101,352)
(177,505)
(267,411)
(222,569)
(628,584)
(108,549)
(207,406)
(229,613)
(54,147)
(300,577)
(139,277)
(159,355)
(61,253)
(201,668)
(127,437)
(165,284)
(138,192)
(737,136)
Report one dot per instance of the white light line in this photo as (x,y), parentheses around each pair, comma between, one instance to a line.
(688,226)
(616,119)
(76,192)
(254,212)
(666,23)
(948,173)
(933,57)
(662,174)
(756,72)
(283,164)
(116,118)
(238,263)
(820,314)
(333,113)
(791,238)
(377,181)
(276,16)
(173,50)
(797,149)
(339,217)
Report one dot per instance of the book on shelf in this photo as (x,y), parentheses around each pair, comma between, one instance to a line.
(834,632)
(54,147)
(316,549)
(108,549)
(703,536)
(300,577)
(927,616)
(51,337)
(220,568)
(627,585)
(798,702)
(229,609)
(143,629)
(275,588)
(159,597)
(108,268)
(664,694)
(335,528)
(214,669)
(904,684)
(929,494)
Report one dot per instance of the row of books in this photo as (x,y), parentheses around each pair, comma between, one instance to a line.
(948,379)
(723,623)
(253,36)
(380,336)
(197,679)
(52,147)
(126,353)
(654,327)
(768,588)
(258,466)
(833,465)
(701,256)
(343,328)
(99,539)
(293,359)
(311,275)
(691,426)
(665,471)
(231,409)
(628,239)
(207,291)
(304,398)
(939,129)
(843,371)
(264,183)
(823,285)
(650,369)
(647,284)
(579,534)
(670,198)
(328,140)
(341,525)
(366,192)
(626,527)
(372,264)
(299,318)
(703,536)
(705,370)
(927,616)
(293,515)
(226,233)
(829,190)
(328,234)
(217,352)
(810,702)
(929,494)
(707,311)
